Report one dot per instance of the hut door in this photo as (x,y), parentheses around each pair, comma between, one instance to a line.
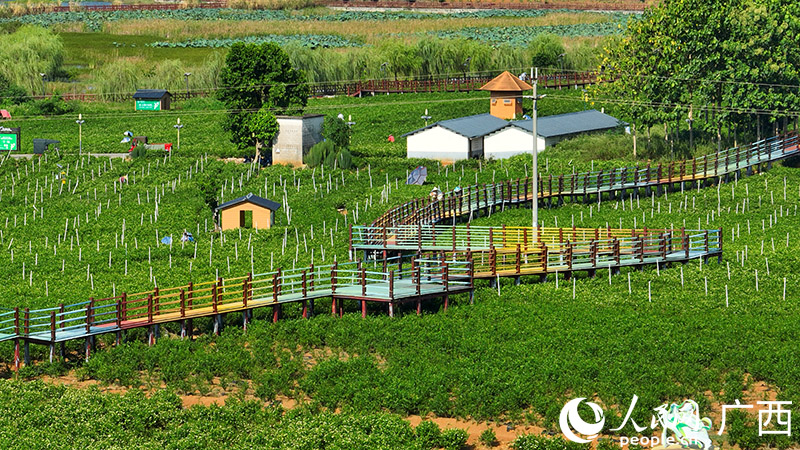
(245,219)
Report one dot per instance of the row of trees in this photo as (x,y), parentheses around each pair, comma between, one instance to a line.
(723,66)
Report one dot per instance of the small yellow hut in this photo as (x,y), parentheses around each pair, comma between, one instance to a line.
(250,211)
(506,95)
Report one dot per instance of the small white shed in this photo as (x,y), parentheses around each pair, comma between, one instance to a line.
(296,135)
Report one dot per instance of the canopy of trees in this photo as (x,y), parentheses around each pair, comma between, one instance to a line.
(726,64)
(259,82)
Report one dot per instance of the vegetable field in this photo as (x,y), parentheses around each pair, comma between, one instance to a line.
(515,354)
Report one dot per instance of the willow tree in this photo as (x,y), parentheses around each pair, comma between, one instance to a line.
(29,52)
(722,60)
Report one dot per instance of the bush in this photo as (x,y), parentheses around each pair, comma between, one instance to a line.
(453,439)
(318,153)
(139,151)
(336,130)
(54,106)
(344,160)
(529,442)
(428,434)
(488,438)
(742,431)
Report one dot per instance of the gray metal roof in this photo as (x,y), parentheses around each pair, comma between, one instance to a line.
(571,123)
(470,126)
(269,204)
(149,93)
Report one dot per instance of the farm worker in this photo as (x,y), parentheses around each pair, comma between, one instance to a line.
(391,138)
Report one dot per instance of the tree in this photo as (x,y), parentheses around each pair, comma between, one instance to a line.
(721,59)
(259,79)
(337,131)
(546,51)
(263,126)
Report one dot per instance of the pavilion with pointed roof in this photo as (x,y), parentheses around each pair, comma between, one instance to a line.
(506,95)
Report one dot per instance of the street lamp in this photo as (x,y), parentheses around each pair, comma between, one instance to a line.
(466,66)
(426,117)
(383,69)
(178,127)
(349,124)
(43,75)
(80,133)
(535,177)
(186,78)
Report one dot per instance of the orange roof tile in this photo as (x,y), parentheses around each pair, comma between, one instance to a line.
(506,82)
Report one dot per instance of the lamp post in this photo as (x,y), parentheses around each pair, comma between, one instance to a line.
(534,157)
(691,136)
(178,127)
(426,117)
(186,78)
(466,66)
(80,133)
(44,76)
(383,69)
(350,124)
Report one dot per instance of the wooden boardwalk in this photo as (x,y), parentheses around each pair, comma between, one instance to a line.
(552,190)
(392,281)
(516,251)
(443,260)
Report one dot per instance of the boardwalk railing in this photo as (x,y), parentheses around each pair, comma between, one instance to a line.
(478,238)
(510,251)
(473,199)
(390,280)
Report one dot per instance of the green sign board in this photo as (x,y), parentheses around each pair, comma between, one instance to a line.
(148,105)
(9,141)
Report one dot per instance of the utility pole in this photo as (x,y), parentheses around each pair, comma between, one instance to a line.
(535,165)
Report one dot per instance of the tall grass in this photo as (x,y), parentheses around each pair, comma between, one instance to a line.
(438,57)
(121,77)
(29,52)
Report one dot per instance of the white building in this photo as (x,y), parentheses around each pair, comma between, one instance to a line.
(452,140)
(487,136)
